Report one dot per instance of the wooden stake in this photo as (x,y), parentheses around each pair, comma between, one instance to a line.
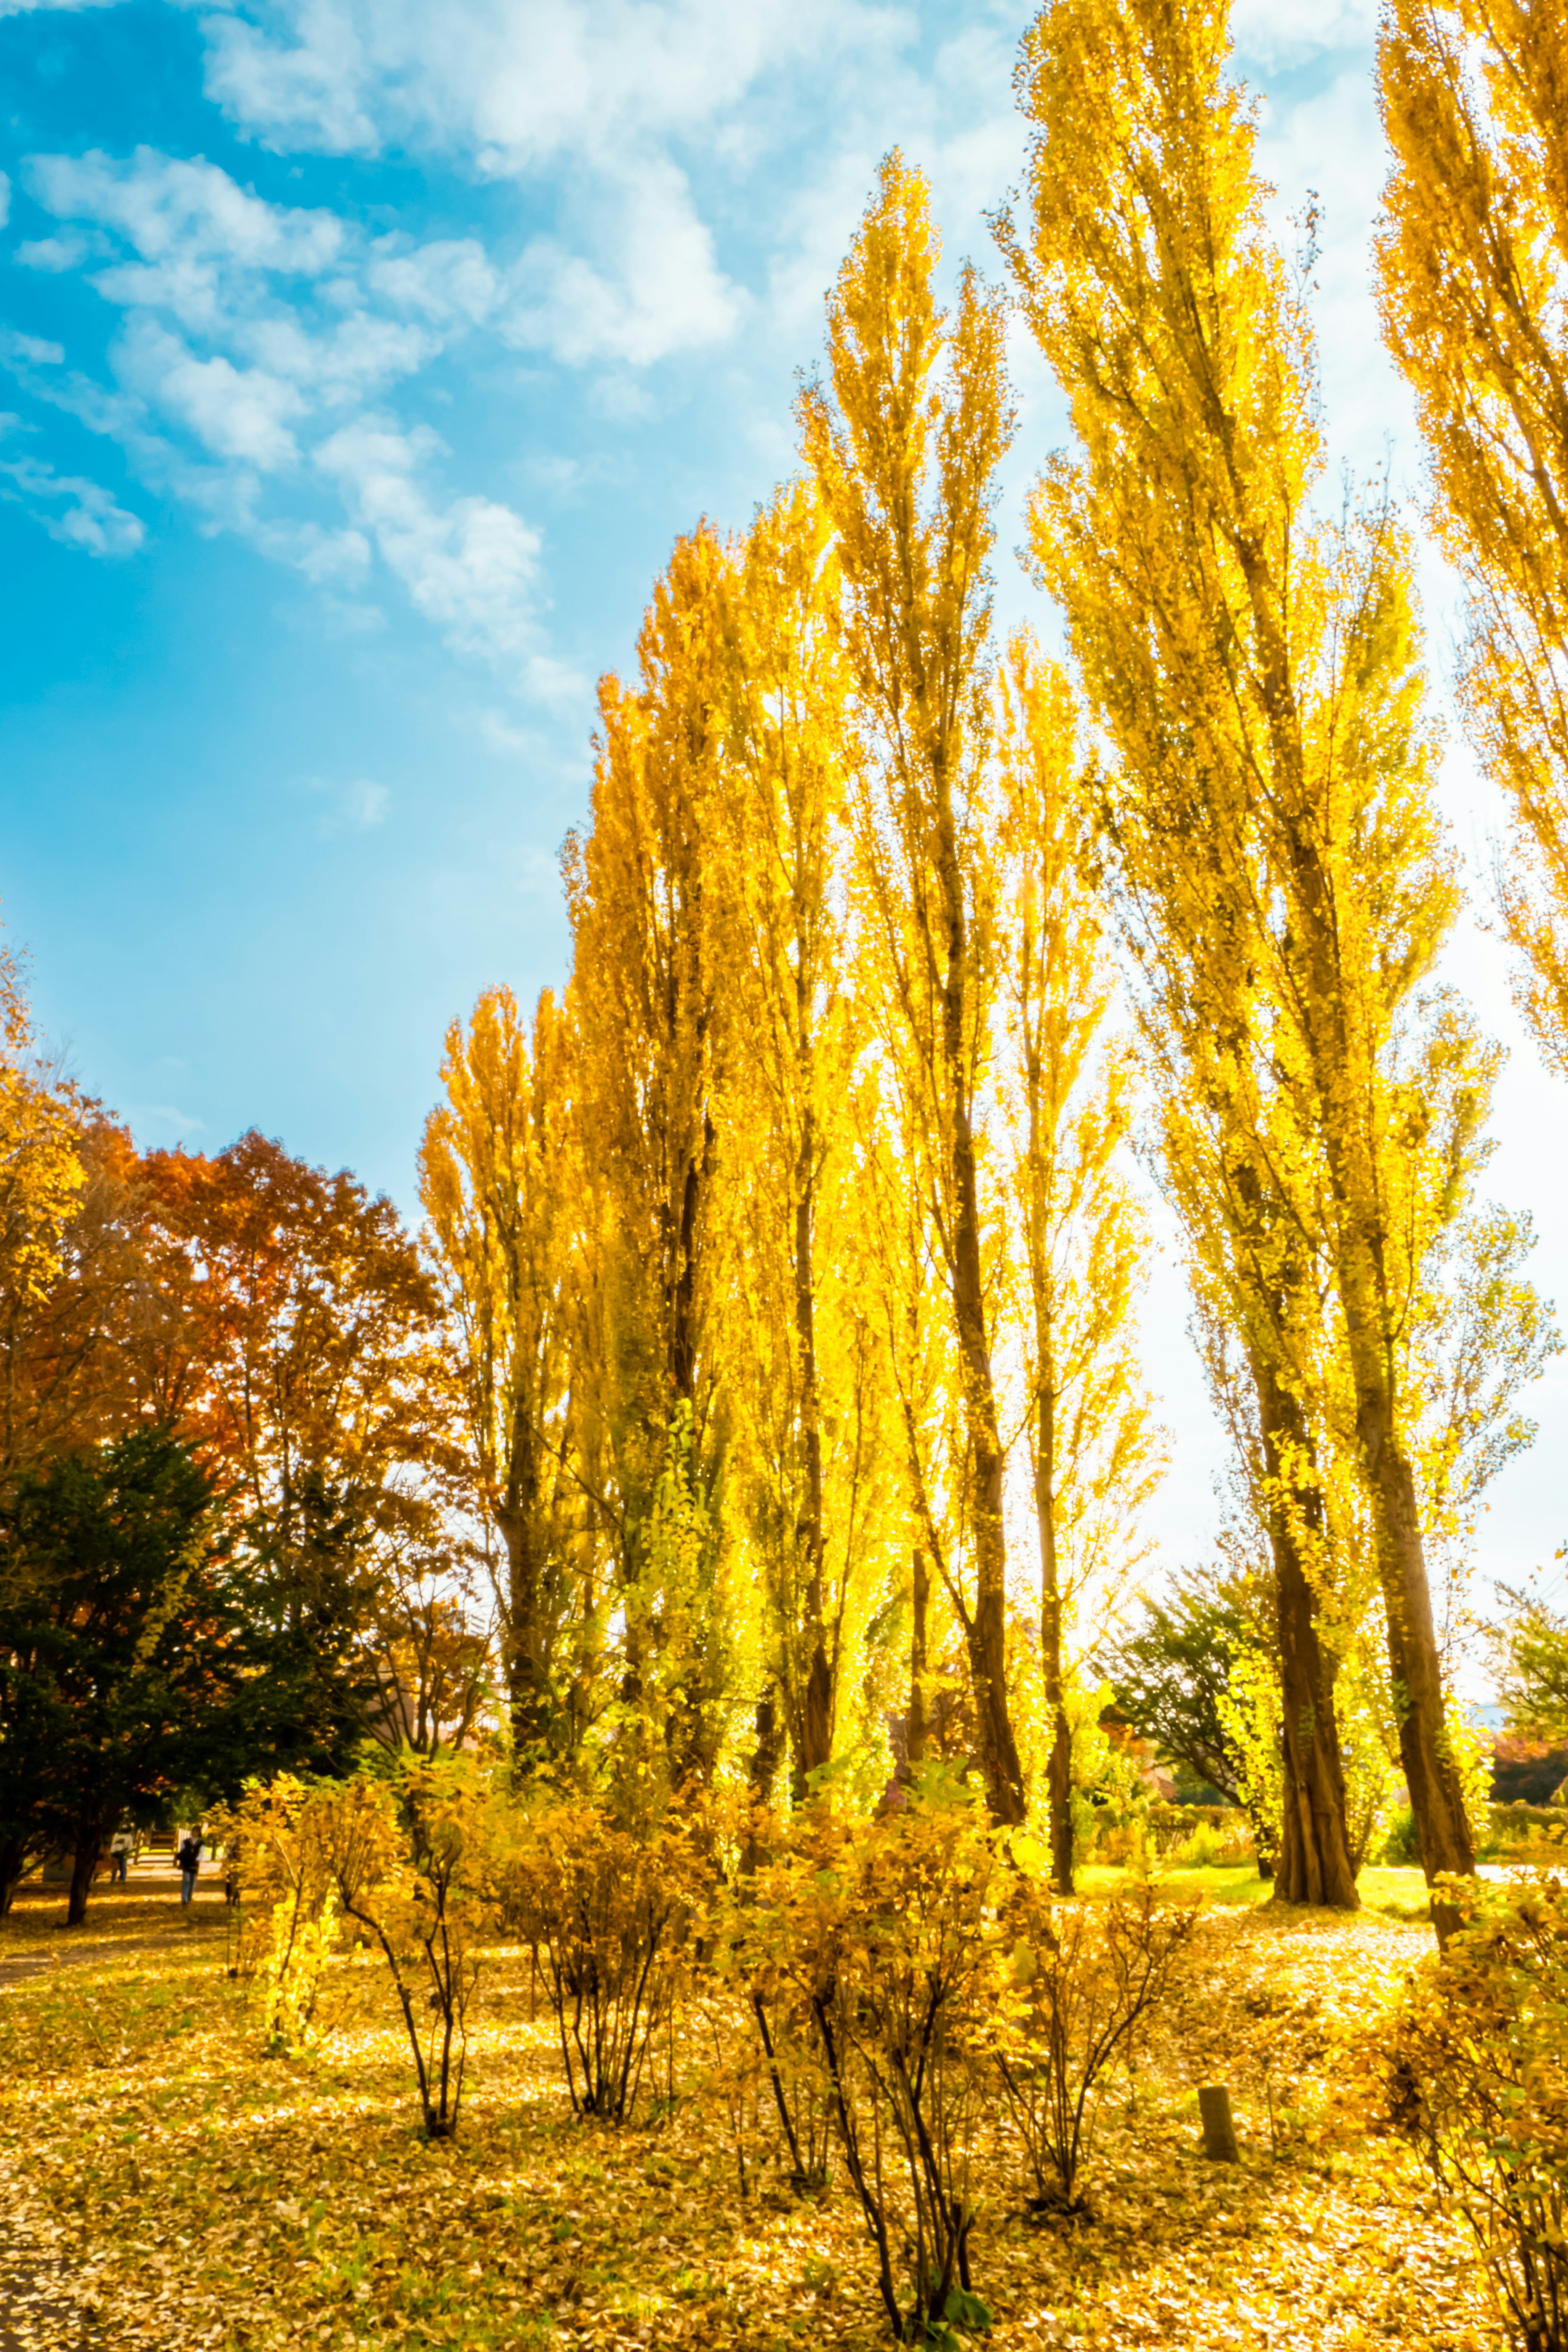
(1219,2126)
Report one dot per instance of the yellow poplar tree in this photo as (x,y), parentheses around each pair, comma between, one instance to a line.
(802,1367)
(497,1181)
(1260,677)
(1473,259)
(905,444)
(651,1000)
(906,1278)
(1080,1239)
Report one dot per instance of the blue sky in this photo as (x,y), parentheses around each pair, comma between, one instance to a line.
(359,359)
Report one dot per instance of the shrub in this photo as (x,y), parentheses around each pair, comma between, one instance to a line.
(1529,1833)
(279,1864)
(1081,1979)
(409,1858)
(1212,1845)
(1400,1845)
(605,1910)
(881,1938)
(1475,2075)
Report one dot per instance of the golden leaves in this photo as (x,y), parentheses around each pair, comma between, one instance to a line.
(193,2193)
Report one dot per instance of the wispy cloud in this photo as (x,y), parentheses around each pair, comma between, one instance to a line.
(357,807)
(78,512)
(254,338)
(162,1122)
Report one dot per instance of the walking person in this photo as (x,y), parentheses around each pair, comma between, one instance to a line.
(119,1857)
(189,1860)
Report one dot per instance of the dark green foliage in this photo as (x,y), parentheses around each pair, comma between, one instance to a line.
(142,1652)
(1170,1673)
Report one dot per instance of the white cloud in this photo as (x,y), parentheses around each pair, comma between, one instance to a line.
(357,807)
(28,349)
(598,94)
(80,513)
(519,84)
(670,295)
(448,279)
(54,253)
(254,336)
(196,233)
(1284,32)
(162,1120)
(240,413)
(470,567)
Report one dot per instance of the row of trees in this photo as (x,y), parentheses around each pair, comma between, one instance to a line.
(773,1345)
(792,1249)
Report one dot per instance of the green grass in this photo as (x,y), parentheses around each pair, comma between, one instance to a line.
(1400,1894)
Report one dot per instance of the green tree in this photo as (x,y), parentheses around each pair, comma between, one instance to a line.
(120,1655)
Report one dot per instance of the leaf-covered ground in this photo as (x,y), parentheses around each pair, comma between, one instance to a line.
(165,2185)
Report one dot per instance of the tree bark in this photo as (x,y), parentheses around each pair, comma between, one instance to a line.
(1431,1774)
(1058,1770)
(1314,1863)
(1360,1242)
(88,1849)
(14,1859)
(817,1740)
(986,1630)
(915,1745)
(761,1773)
(527,1687)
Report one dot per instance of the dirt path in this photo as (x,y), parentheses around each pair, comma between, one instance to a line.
(37,2312)
(25,1967)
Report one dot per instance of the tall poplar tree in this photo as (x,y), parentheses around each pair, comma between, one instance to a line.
(905,442)
(801,1365)
(1473,260)
(652,1005)
(1258,676)
(498,1181)
(1079,1240)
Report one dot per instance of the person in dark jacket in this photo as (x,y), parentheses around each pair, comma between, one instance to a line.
(189,1860)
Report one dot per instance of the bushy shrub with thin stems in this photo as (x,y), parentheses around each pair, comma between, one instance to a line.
(1081,1980)
(880,1938)
(1472,2070)
(607,1909)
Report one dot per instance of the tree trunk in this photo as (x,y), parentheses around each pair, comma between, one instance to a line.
(761,1774)
(1431,1774)
(1059,1770)
(816,1743)
(915,1745)
(1314,1863)
(987,1627)
(1437,1797)
(14,1858)
(88,1849)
